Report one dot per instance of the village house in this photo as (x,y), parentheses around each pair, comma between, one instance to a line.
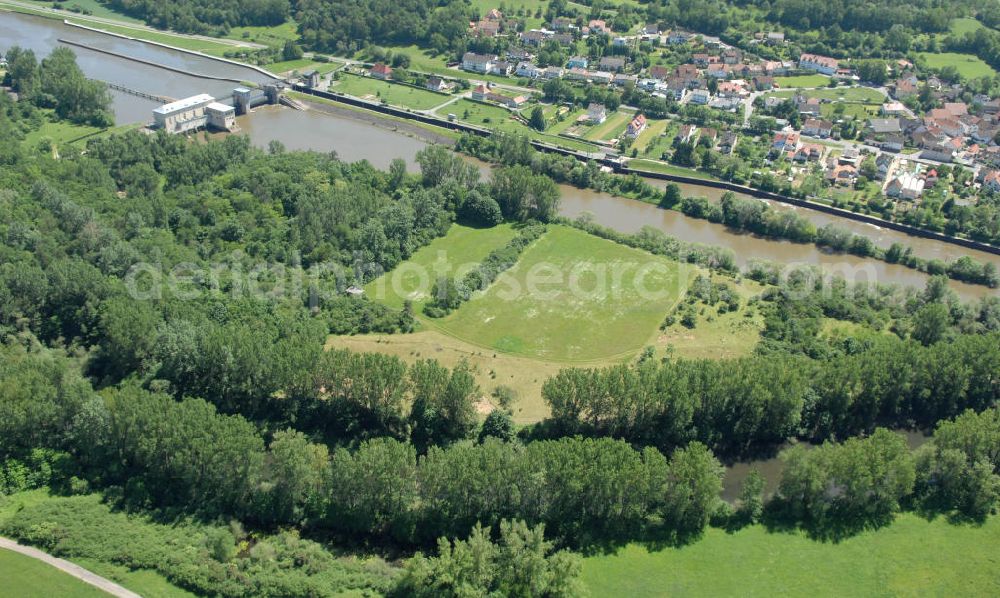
(893,109)
(905,87)
(562,23)
(381,71)
(621,42)
(612,63)
(843,175)
(883,126)
(675,88)
(480,92)
(528,70)
(686,133)
(552,72)
(621,79)
(815,127)
(775,38)
(700,97)
(535,37)
(677,38)
(577,74)
(905,186)
(478,63)
(811,152)
(437,84)
(600,77)
(659,72)
(884,164)
(820,64)
(763,83)
(636,127)
(727,143)
(596,113)
(785,142)
(731,89)
(577,62)
(598,26)
(485,28)
(991,181)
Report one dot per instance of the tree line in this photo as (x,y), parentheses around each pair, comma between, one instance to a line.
(738,407)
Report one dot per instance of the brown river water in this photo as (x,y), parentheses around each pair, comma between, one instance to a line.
(359,137)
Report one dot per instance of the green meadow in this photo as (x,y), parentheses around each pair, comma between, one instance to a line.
(910,557)
(462,247)
(571,297)
(967,65)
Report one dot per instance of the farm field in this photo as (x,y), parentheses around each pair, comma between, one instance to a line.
(463,246)
(910,557)
(558,305)
(967,65)
(393,93)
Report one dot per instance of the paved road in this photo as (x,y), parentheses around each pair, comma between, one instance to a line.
(67,567)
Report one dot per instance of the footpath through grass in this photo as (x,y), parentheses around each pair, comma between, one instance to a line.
(911,557)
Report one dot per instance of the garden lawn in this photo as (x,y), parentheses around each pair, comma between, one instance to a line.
(610,128)
(479,113)
(393,93)
(911,557)
(654,129)
(802,81)
(26,577)
(861,95)
(967,65)
(462,247)
(572,297)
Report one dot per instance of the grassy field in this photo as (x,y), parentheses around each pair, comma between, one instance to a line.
(861,95)
(964,25)
(269,36)
(652,166)
(716,336)
(170,39)
(851,109)
(967,65)
(59,133)
(462,247)
(802,81)
(572,297)
(395,94)
(26,577)
(496,117)
(911,557)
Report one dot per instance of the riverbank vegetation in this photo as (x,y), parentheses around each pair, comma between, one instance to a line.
(58,83)
(740,214)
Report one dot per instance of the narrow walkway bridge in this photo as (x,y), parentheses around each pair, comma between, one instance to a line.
(140,94)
